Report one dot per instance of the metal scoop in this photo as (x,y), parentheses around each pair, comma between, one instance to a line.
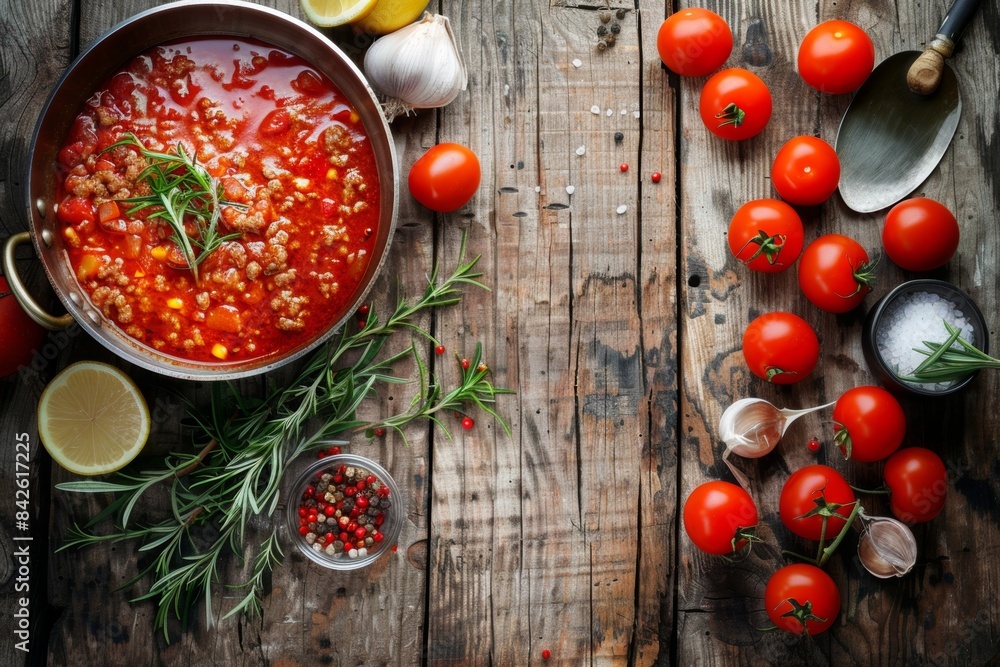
(891,137)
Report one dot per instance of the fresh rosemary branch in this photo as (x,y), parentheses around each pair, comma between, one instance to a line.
(181,190)
(946,363)
(213,494)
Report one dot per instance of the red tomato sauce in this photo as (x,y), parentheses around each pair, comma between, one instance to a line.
(297,180)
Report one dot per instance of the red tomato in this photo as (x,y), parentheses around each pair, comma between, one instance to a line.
(735,104)
(798,508)
(806,171)
(869,424)
(802,599)
(780,347)
(836,57)
(835,273)
(920,234)
(766,235)
(694,42)
(20,336)
(718,517)
(445,178)
(918,484)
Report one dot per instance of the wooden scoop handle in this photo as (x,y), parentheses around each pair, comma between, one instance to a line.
(925,73)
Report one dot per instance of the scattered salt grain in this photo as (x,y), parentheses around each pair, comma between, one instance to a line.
(637,114)
(621,209)
(538,188)
(570,189)
(610,112)
(624,112)
(596,110)
(909,322)
(577,62)
(581,150)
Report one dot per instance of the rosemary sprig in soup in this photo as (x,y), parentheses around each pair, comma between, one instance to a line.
(181,190)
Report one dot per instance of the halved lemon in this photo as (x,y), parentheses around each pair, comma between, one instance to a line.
(92,418)
(330,13)
(390,15)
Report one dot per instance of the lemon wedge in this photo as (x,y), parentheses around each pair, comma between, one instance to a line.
(92,419)
(390,15)
(330,13)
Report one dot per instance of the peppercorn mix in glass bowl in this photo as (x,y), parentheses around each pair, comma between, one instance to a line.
(342,511)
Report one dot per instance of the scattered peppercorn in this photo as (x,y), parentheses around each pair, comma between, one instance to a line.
(362,323)
(465,363)
(602,30)
(379,432)
(619,137)
(602,45)
(467,423)
(610,39)
(604,15)
(814,445)
(615,28)
(655,177)
(482,368)
(363,309)
(623,166)
(546,653)
(439,349)
(620,14)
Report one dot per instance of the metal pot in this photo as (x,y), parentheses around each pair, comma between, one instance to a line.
(92,68)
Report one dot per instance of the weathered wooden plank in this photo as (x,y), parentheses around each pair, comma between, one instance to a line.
(906,621)
(565,520)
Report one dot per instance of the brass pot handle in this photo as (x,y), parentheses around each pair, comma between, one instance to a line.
(34,311)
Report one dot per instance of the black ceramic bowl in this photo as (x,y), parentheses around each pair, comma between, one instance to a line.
(885,307)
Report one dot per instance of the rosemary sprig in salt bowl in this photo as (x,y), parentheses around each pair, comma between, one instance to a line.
(947,363)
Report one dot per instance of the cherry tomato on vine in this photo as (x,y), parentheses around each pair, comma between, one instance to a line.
(766,235)
(719,517)
(780,347)
(445,177)
(920,234)
(798,507)
(735,104)
(802,599)
(20,336)
(835,273)
(869,424)
(836,57)
(806,171)
(918,484)
(694,42)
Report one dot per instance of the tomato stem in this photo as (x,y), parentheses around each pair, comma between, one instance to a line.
(769,246)
(882,490)
(840,538)
(731,115)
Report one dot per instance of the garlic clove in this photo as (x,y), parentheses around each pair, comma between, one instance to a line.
(751,427)
(417,67)
(886,547)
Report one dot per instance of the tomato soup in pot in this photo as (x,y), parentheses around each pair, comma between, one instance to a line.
(218,200)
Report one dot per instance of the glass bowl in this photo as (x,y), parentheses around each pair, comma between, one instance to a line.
(348,478)
(884,312)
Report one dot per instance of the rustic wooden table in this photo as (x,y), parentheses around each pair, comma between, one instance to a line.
(620,332)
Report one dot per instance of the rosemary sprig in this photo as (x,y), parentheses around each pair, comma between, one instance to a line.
(181,190)
(946,363)
(214,493)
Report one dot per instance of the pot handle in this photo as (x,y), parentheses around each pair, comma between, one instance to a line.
(34,311)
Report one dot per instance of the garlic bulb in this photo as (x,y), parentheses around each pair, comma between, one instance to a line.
(886,547)
(417,67)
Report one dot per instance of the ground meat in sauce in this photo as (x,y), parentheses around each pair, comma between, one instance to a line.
(297,176)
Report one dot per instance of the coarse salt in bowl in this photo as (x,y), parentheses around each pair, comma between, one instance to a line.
(912,313)
(340,482)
